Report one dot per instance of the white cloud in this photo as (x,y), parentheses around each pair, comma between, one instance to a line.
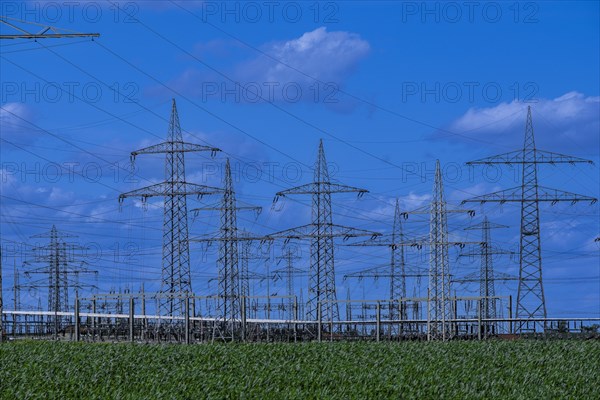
(413,200)
(287,71)
(327,56)
(569,122)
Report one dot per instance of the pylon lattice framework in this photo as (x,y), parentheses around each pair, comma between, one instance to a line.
(175,273)
(531,302)
(322,299)
(230,282)
(440,306)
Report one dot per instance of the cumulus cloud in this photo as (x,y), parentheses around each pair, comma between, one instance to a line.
(327,56)
(309,68)
(569,122)
(413,200)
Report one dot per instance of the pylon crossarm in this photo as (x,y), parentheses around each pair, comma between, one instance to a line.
(475,277)
(42,34)
(544,194)
(539,157)
(43,283)
(309,231)
(512,157)
(388,241)
(59,235)
(234,238)
(427,210)
(284,270)
(321,187)
(481,225)
(547,157)
(171,189)
(491,252)
(381,271)
(173,147)
(219,207)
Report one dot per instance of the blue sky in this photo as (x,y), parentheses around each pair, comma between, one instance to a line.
(389,86)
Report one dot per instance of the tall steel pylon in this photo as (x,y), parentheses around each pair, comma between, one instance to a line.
(62,274)
(440,303)
(531,301)
(175,274)
(230,293)
(322,299)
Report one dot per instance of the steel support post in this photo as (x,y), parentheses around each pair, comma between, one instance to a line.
(77,319)
(131,318)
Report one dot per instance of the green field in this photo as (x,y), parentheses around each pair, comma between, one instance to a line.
(458,370)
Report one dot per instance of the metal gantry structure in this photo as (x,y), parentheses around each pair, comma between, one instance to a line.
(175,275)
(531,301)
(322,297)
(225,316)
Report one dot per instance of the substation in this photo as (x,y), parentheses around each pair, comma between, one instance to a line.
(235,313)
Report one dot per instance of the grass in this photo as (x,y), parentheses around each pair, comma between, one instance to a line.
(454,370)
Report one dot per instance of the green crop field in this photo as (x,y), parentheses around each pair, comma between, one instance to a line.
(457,370)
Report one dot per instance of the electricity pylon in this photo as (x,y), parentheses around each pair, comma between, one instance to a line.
(487,276)
(531,302)
(230,294)
(440,305)
(175,274)
(46,31)
(60,267)
(322,300)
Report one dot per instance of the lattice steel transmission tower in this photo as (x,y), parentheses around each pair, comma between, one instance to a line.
(229,278)
(62,274)
(175,275)
(531,302)
(322,300)
(440,303)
